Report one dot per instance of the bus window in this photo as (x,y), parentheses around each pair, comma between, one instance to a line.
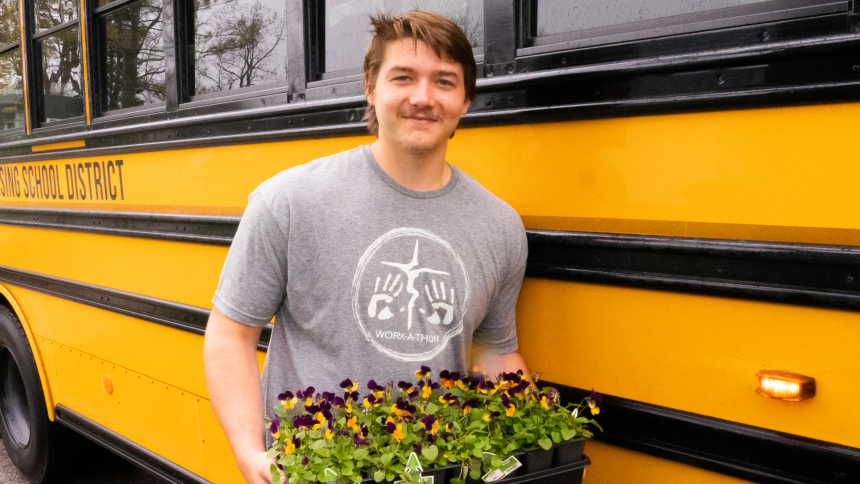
(131,57)
(53,13)
(61,75)
(238,44)
(557,25)
(11,79)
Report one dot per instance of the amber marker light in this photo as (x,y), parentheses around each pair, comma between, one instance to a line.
(783,385)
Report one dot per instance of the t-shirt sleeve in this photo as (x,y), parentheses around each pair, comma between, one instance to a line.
(254,278)
(498,330)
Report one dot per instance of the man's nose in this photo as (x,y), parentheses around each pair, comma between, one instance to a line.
(422,95)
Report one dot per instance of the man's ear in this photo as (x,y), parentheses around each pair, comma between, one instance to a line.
(368,94)
(465,107)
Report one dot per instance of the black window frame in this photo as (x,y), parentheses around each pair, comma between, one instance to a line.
(97,70)
(191,104)
(5,49)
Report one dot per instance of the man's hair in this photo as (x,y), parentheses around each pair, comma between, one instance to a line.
(438,32)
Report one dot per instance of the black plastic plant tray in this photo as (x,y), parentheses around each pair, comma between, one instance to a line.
(568,474)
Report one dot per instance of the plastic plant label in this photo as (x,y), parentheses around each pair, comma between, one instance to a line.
(330,474)
(508,466)
(421,480)
(413,465)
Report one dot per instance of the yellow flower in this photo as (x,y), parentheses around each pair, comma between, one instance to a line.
(309,401)
(509,411)
(329,434)
(351,424)
(398,433)
(486,417)
(276,435)
(290,448)
(543,402)
(391,419)
(348,407)
(435,429)
(425,391)
(289,404)
(319,420)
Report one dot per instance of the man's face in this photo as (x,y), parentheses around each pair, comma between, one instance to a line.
(419,97)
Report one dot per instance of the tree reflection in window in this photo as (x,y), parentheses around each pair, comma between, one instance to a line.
(11,91)
(10,27)
(239,43)
(133,62)
(51,13)
(347,25)
(61,75)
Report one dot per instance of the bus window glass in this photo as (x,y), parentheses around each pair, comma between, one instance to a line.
(10,27)
(61,75)
(560,16)
(51,13)
(239,43)
(11,91)
(133,56)
(347,26)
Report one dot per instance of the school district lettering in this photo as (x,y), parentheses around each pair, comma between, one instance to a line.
(83,181)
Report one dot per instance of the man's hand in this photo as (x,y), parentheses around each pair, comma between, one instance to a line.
(255,467)
(493,364)
(233,384)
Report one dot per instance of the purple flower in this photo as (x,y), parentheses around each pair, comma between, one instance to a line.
(305,460)
(596,397)
(364,430)
(354,396)
(390,427)
(348,385)
(405,386)
(428,422)
(417,448)
(338,402)
(328,396)
(372,386)
(358,440)
(312,408)
(276,423)
(303,421)
(285,396)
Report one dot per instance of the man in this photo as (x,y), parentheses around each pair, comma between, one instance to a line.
(374,261)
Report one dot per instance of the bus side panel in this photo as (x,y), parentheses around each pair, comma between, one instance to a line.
(219,461)
(614,465)
(695,353)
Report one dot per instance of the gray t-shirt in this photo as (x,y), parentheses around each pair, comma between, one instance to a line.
(369,280)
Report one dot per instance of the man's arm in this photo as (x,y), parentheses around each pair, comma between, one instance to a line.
(233,383)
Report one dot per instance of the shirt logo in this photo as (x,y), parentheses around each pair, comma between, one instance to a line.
(409,294)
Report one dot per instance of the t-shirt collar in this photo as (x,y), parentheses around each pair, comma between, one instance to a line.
(452,182)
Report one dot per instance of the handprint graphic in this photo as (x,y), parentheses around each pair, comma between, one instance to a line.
(373,308)
(437,305)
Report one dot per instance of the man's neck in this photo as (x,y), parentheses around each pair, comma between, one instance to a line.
(422,172)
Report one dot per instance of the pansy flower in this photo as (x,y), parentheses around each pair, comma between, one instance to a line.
(423,372)
(291,445)
(449,399)
(486,387)
(351,423)
(305,460)
(288,400)
(307,395)
(431,424)
(449,427)
(543,402)
(377,390)
(396,431)
(403,408)
(273,429)
(428,388)
(449,379)
(337,402)
(329,432)
(468,405)
(358,440)
(510,408)
(303,421)
(489,416)
(404,386)
(417,448)
(594,402)
(371,401)
(348,386)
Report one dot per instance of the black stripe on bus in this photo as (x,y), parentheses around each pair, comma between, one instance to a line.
(204,229)
(125,448)
(168,313)
(807,274)
(752,453)
(540,89)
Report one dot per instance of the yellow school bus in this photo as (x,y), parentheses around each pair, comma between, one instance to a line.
(687,173)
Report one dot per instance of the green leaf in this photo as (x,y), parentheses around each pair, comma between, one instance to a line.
(272,452)
(477,453)
(568,434)
(545,443)
(431,408)
(323,452)
(430,452)
(456,480)
(379,476)
(475,473)
(360,453)
(318,444)
(556,437)
(385,459)
(276,476)
(496,461)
